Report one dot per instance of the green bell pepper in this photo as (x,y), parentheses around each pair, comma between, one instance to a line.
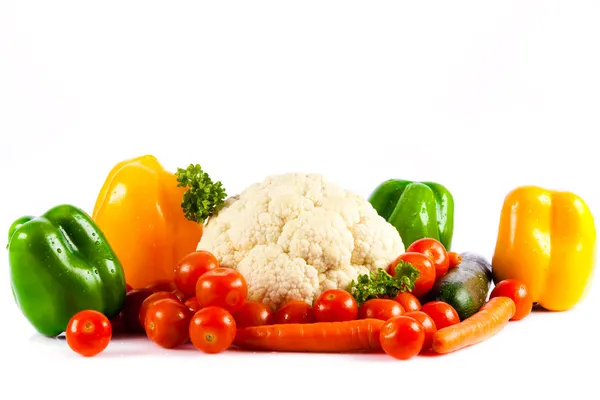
(60,264)
(417,209)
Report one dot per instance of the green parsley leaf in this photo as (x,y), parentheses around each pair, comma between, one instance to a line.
(203,196)
(381,284)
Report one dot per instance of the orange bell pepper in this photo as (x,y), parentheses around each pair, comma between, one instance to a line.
(139,209)
(546,240)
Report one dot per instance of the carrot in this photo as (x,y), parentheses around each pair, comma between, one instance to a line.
(488,321)
(454,259)
(318,337)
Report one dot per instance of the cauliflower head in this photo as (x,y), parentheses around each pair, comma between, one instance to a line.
(296,235)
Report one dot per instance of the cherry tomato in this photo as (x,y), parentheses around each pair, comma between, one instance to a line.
(88,333)
(192,304)
(428,326)
(130,312)
(517,291)
(442,313)
(191,267)
(335,305)
(154,297)
(167,323)
(295,312)
(222,287)
(212,330)
(433,249)
(426,268)
(253,313)
(408,301)
(380,309)
(402,337)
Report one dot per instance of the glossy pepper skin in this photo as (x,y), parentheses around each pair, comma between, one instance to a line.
(416,209)
(139,210)
(547,240)
(60,264)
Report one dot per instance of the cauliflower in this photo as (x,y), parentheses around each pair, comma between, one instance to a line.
(295,235)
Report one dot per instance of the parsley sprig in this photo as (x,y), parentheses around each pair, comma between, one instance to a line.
(203,196)
(382,284)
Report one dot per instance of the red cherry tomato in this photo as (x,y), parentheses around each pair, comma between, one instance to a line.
(162,286)
(222,287)
(442,313)
(426,268)
(295,312)
(192,304)
(517,291)
(88,333)
(383,309)
(435,250)
(154,297)
(253,313)
(212,330)
(191,267)
(428,326)
(335,305)
(130,312)
(402,337)
(408,301)
(167,323)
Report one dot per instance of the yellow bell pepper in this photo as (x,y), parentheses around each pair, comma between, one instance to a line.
(139,209)
(547,240)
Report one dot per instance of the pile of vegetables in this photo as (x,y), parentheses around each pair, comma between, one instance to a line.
(291,264)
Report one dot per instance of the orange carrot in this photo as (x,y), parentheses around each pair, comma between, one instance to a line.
(488,321)
(454,259)
(318,337)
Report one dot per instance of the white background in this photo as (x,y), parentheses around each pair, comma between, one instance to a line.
(480,96)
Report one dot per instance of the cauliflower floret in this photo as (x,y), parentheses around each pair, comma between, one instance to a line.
(320,237)
(295,235)
(275,277)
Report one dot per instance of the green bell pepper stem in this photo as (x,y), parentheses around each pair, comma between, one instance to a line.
(60,264)
(417,209)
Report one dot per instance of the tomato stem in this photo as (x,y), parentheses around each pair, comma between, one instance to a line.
(88,326)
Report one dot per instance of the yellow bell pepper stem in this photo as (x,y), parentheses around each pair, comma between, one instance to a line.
(547,240)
